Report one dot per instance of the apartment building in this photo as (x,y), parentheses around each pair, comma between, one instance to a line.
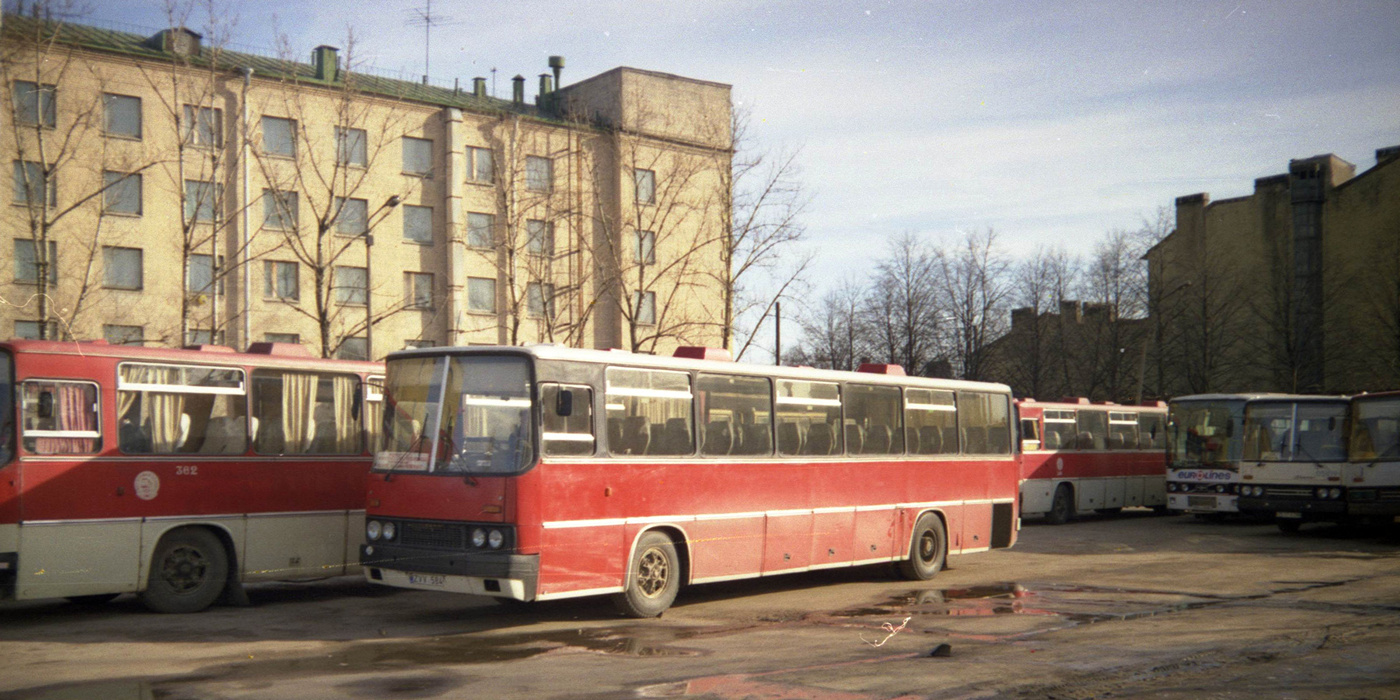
(171,192)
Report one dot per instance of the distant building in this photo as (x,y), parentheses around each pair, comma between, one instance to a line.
(173,192)
(1082,349)
(1293,288)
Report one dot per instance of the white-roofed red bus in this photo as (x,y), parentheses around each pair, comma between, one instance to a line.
(543,472)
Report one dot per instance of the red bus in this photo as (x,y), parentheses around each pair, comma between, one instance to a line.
(544,473)
(178,474)
(1078,456)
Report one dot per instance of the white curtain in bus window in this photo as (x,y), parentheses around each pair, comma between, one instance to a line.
(1093,430)
(306,413)
(1122,430)
(736,417)
(931,421)
(570,434)
(649,411)
(374,412)
(60,418)
(170,409)
(985,421)
(809,419)
(874,413)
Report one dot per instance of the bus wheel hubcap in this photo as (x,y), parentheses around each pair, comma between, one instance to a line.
(652,573)
(185,569)
(927,545)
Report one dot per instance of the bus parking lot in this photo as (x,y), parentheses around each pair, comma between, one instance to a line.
(1130,606)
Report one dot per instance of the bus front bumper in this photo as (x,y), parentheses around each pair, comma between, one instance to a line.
(497,574)
(1293,508)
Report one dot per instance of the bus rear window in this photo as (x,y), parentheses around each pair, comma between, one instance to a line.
(60,417)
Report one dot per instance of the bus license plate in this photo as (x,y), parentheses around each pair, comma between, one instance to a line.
(1288,514)
(427,579)
(1200,501)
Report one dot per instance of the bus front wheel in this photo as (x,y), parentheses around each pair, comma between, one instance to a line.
(188,572)
(1062,508)
(927,551)
(654,578)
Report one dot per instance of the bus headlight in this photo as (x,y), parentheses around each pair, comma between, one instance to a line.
(1220,488)
(389,531)
(1336,493)
(496,539)
(479,537)
(1171,486)
(373,529)
(1322,492)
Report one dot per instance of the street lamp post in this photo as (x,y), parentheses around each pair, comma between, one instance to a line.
(383,213)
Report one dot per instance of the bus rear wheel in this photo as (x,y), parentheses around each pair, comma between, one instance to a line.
(654,579)
(1062,508)
(188,572)
(927,551)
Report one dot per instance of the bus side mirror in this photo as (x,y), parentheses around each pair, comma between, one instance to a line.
(46,404)
(564,407)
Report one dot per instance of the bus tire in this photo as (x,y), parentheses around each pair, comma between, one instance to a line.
(1290,526)
(188,572)
(1062,508)
(928,549)
(654,578)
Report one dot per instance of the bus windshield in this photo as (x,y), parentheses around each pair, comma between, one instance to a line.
(7,409)
(1295,432)
(1375,429)
(1204,434)
(457,414)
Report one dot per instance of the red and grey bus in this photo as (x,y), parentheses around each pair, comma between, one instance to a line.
(178,474)
(1293,458)
(543,473)
(1078,456)
(1372,476)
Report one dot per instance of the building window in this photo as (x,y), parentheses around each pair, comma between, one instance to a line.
(539,237)
(646,185)
(539,300)
(418,290)
(418,224)
(479,230)
(29,330)
(279,137)
(280,280)
(539,174)
(417,156)
(293,338)
(123,335)
(353,349)
(280,209)
(203,337)
(204,126)
(121,193)
(352,216)
(29,184)
(201,199)
(481,295)
(645,308)
(202,276)
(121,268)
(479,165)
(645,250)
(351,285)
(27,264)
(121,116)
(351,147)
(35,104)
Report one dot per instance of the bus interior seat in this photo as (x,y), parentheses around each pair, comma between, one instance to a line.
(757,440)
(998,442)
(789,438)
(877,440)
(615,442)
(1144,442)
(819,440)
(911,439)
(719,440)
(184,431)
(224,435)
(1053,441)
(1100,442)
(855,438)
(678,440)
(976,440)
(930,439)
(131,439)
(636,435)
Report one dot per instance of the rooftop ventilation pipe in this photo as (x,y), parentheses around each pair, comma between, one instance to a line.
(325,62)
(518,89)
(557,64)
(544,90)
(479,87)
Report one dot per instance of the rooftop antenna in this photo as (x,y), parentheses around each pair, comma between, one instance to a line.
(493,81)
(424,17)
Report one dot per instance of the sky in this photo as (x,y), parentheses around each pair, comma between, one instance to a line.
(1050,123)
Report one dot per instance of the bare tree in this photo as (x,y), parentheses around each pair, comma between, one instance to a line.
(975,281)
(832,330)
(1028,353)
(903,311)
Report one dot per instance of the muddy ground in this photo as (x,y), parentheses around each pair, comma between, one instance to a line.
(1129,606)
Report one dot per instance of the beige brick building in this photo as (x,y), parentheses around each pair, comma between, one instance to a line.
(1295,287)
(172,192)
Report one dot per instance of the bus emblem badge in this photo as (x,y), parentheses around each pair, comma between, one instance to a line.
(147,485)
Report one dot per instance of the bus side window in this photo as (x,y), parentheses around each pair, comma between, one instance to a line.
(653,408)
(737,418)
(306,413)
(568,419)
(64,423)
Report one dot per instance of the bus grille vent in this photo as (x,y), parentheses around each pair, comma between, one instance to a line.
(1288,491)
(436,535)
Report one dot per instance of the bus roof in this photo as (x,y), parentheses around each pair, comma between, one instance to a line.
(1105,406)
(205,354)
(1261,396)
(622,357)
